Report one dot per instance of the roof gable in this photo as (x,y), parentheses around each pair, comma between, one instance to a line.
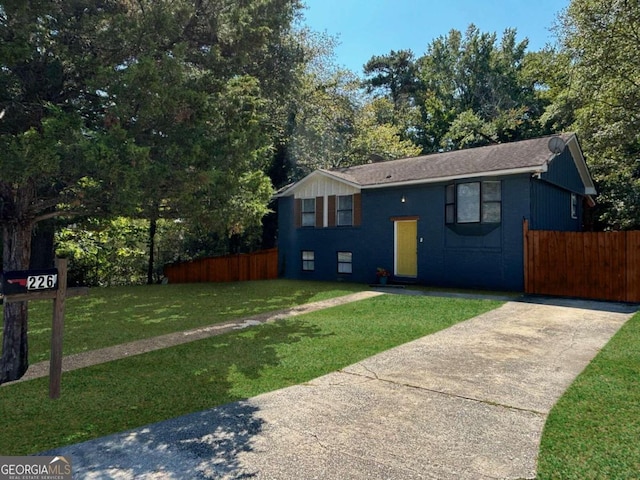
(321,183)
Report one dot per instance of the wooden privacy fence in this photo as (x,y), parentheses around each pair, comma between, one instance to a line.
(596,265)
(262,265)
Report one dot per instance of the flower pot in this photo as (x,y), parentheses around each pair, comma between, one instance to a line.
(383,280)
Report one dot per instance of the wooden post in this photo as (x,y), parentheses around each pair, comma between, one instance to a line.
(57,330)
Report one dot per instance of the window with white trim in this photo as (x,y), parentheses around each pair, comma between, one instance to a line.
(344,210)
(308,261)
(345,262)
(574,206)
(473,202)
(308,212)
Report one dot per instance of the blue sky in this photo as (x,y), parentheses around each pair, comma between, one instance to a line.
(375,27)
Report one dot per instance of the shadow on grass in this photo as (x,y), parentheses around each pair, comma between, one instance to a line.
(111,316)
(129,393)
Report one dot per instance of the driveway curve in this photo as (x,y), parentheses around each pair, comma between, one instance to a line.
(468,402)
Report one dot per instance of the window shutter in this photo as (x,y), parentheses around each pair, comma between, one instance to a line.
(332,210)
(357,209)
(319,212)
(297,212)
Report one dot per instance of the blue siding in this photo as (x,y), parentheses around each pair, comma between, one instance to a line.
(563,173)
(551,208)
(492,260)
(551,196)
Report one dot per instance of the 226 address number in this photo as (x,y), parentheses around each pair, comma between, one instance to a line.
(42,282)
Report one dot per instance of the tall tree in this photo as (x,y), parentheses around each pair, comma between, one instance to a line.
(601,38)
(196,92)
(377,137)
(549,71)
(394,74)
(324,121)
(53,161)
(473,91)
(336,126)
(132,107)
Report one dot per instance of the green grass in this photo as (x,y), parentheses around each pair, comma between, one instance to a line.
(111,316)
(167,383)
(593,432)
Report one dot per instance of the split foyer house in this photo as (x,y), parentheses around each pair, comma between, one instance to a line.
(446,219)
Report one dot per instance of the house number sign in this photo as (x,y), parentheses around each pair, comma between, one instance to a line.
(29,281)
(42,282)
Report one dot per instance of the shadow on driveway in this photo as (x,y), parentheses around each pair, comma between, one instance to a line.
(195,446)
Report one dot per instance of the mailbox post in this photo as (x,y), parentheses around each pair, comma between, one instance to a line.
(20,286)
(57,329)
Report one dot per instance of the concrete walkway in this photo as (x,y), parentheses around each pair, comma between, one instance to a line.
(468,402)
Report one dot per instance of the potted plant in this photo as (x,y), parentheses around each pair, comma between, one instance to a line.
(383,275)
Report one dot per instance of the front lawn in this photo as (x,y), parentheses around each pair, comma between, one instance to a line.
(167,383)
(593,432)
(111,316)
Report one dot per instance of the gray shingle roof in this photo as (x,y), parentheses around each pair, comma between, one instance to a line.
(525,155)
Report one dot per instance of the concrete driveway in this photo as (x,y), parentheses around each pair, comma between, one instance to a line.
(467,402)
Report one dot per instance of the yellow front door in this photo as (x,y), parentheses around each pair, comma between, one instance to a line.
(406,239)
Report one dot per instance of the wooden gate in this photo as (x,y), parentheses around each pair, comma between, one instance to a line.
(595,265)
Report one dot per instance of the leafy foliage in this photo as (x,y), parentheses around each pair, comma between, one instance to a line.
(104,252)
(601,39)
(378,135)
(473,91)
(150,109)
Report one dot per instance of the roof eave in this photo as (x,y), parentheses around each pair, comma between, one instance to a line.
(449,178)
(581,165)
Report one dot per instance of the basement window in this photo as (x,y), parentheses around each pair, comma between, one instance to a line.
(345,262)
(308,261)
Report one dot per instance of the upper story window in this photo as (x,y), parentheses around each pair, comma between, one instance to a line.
(345,210)
(574,206)
(473,202)
(328,211)
(308,212)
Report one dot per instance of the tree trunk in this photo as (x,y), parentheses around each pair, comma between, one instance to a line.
(153,225)
(16,252)
(42,245)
